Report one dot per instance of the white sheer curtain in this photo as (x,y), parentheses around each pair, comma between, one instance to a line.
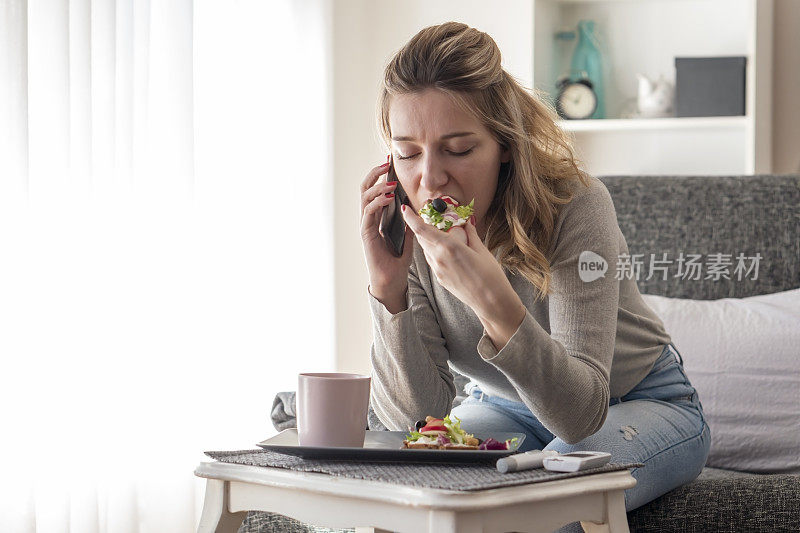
(165,246)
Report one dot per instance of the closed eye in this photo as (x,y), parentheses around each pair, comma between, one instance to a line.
(457,154)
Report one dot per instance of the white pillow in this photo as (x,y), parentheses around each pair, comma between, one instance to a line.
(743,357)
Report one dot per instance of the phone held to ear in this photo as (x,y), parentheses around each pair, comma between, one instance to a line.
(392,226)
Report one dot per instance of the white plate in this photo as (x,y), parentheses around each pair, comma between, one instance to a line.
(388,446)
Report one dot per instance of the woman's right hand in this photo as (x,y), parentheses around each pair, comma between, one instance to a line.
(388,274)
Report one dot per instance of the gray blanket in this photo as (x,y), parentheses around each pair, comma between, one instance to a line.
(284,413)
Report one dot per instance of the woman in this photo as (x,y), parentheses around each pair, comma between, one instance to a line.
(574,361)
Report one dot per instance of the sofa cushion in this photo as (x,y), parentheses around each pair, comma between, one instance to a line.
(708,215)
(723,501)
(742,357)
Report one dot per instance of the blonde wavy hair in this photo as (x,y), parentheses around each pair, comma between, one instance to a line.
(465,64)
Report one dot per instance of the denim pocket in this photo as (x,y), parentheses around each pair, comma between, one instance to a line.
(666,381)
(663,360)
(695,397)
(688,399)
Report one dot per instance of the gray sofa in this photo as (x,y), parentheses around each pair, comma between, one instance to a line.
(710,214)
(703,214)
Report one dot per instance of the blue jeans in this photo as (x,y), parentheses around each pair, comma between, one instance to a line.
(659,423)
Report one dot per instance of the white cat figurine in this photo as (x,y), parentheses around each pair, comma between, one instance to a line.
(655,98)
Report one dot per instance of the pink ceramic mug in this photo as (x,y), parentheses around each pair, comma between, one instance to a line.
(332,409)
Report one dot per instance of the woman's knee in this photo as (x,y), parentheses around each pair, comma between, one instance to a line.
(487,419)
(480,417)
(657,446)
(601,441)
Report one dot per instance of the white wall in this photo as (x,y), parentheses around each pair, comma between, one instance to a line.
(366,34)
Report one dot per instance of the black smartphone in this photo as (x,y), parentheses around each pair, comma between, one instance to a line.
(392,226)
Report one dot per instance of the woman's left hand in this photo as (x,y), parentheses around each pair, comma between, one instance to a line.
(464,266)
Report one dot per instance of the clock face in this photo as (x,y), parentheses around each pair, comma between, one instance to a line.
(577,100)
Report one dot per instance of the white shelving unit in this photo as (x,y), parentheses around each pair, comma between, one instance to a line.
(688,123)
(645,36)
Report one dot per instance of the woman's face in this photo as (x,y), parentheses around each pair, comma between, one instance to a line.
(438,149)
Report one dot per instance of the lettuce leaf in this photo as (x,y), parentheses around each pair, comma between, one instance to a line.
(435,216)
(454,430)
(466,211)
(414,436)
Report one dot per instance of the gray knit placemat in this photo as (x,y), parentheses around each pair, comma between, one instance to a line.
(451,476)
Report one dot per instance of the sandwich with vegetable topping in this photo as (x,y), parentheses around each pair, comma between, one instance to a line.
(445,212)
(445,434)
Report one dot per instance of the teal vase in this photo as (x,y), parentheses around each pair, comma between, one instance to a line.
(586,62)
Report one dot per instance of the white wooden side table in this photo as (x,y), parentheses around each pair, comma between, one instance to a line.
(596,500)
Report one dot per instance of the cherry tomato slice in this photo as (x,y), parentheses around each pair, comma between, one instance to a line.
(430,427)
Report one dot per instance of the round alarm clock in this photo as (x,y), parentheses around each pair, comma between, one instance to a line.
(576,99)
